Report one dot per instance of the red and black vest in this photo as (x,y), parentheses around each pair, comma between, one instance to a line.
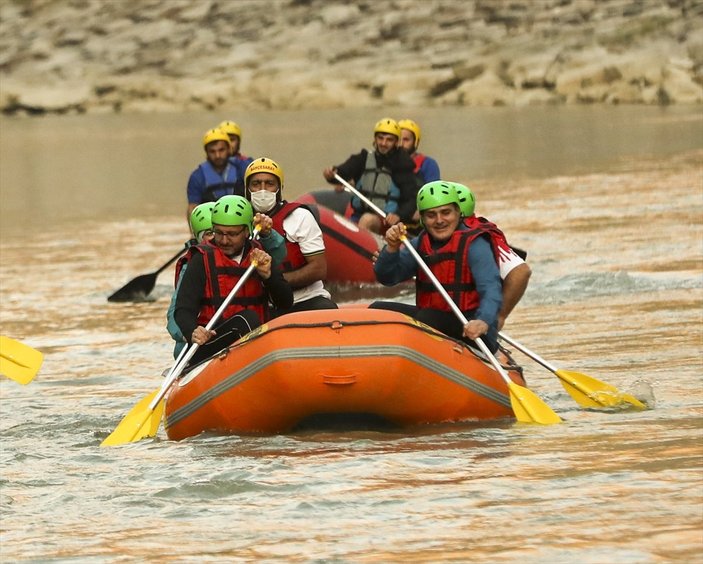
(221,275)
(183,260)
(295,258)
(449,264)
(418,159)
(498,241)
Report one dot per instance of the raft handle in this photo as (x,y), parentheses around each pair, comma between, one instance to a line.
(339,379)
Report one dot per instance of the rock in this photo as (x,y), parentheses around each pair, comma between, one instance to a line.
(208,55)
(44,98)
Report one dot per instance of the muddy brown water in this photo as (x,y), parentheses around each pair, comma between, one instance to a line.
(607,201)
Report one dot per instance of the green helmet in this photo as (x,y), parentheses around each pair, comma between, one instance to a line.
(467,201)
(232,210)
(435,194)
(201,218)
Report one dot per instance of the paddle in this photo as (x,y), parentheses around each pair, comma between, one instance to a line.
(527,406)
(18,361)
(586,390)
(139,288)
(143,419)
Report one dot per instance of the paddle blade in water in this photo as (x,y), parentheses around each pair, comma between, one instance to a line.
(135,290)
(529,408)
(18,361)
(589,392)
(139,423)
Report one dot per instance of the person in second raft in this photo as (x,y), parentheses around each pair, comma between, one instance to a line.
(385,176)
(460,258)
(239,160)
(305,267)
(214,270)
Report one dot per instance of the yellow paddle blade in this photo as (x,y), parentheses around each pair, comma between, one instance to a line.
(19,361)
(589,392)
(139,423)
(529,408)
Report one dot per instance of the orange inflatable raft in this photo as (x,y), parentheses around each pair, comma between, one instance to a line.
(324,366)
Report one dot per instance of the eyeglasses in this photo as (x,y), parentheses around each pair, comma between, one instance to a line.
(229,234)
(267,183)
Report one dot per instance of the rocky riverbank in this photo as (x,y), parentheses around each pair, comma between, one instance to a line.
(60,56)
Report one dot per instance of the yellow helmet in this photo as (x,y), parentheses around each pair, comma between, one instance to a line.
(231,128)
(387,125)
(264,164)
(411,126)
(215,134)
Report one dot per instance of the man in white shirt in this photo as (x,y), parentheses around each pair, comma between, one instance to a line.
(305,267)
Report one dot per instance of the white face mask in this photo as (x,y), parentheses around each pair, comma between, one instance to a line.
(263,200)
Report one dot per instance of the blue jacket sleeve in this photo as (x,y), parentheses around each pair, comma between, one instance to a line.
(394,268)
(430,170)
(487,279)
(196,187)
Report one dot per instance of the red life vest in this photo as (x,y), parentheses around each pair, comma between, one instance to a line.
(449,264)
(418,159)
(498,241)
(221,275)
(295,258)
(181,262)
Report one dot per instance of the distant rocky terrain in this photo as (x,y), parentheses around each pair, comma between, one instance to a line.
(65,56)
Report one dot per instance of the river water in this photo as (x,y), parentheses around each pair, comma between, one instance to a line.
(607,201)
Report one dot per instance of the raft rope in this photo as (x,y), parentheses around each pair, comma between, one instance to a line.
(261,330)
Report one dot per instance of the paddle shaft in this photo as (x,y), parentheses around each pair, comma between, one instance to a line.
(421,263)
(349,188)
(534,356)
(173,258)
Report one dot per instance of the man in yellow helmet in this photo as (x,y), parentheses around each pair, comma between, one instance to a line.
(385,176)
(426,168)
(232,129)
(305,266)
(216,176)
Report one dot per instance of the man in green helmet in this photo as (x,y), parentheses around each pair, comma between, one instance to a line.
(460,258)
(201,227)
(215,269)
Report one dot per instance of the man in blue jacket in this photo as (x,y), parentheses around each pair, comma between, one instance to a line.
(216,176)
(460,258)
